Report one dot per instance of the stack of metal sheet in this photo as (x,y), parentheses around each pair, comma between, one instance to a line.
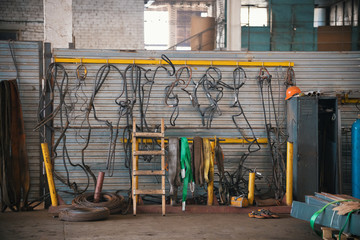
(329,217)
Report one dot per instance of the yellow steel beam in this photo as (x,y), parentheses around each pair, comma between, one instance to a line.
(175,62)
(346,99)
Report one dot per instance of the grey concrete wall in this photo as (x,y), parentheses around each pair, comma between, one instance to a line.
(111,24)
(26,17)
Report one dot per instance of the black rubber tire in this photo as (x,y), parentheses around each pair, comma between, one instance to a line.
(113,202)
(84,214)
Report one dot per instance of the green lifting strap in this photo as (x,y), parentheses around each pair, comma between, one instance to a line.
(314,217)
(346,222)
(186,171)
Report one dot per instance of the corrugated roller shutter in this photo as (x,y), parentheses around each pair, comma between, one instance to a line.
(327,72)
(29,61)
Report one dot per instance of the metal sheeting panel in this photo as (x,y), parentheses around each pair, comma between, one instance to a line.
(327,72)
(29,61)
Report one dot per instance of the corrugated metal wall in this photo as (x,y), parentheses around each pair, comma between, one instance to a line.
(29,61)
(328,72)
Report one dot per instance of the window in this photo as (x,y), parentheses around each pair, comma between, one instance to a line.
(9,35)
(319,17)
(254,16)
(156,30)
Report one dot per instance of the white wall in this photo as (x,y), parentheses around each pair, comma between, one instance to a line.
(234,25)
(58,22)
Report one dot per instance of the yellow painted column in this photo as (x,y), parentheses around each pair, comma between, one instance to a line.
(251,194)
(210,186)
(289,174)
(50,179)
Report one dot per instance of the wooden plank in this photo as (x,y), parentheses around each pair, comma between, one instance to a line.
(149,172)
(344,196)
(149,134)
(149,191)
(327,232)
(158,152)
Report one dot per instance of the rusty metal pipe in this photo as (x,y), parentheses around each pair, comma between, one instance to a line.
(99,184)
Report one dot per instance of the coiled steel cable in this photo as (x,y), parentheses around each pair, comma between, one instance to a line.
(115,203)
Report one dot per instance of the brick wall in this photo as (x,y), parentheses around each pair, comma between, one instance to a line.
(116,24)
(25,16)
(110,24)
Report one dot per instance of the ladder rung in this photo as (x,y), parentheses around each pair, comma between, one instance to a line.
(149,172)
(148,134)
(159,152)
(148,191)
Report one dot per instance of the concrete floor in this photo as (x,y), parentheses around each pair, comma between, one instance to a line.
(39,225)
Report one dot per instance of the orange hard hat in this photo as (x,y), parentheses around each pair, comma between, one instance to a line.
(291,91)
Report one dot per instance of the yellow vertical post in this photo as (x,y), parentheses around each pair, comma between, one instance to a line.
(289,174)
(50,179)
(210,186)
(251,194)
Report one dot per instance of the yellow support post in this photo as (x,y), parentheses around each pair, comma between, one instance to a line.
(50,179)
(210,186)
(251,194)
(289,174)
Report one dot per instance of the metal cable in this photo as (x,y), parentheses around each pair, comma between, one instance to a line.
(173,97)
(274,145)
(213,91)
(239,79)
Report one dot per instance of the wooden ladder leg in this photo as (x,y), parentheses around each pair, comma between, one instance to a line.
(134,165)
(163,202)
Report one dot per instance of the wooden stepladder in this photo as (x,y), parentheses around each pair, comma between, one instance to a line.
(136,172)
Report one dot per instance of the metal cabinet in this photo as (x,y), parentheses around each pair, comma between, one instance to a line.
(312,127)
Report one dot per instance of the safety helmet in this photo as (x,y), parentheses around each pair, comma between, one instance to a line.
(291,91)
